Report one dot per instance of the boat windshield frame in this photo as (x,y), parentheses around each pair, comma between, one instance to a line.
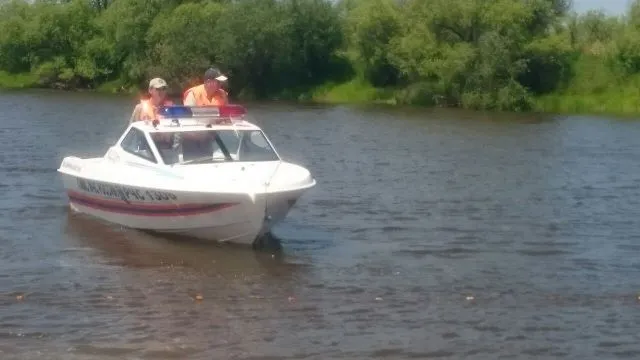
(228,144)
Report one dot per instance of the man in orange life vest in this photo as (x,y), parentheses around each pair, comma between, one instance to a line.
(148,109)
(210,93)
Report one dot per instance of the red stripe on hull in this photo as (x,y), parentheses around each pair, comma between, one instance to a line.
(131,208)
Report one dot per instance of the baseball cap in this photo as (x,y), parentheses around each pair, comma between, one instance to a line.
(157,83)
(214,74)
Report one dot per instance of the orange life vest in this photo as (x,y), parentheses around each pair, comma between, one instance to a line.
(200,95)
(148,111)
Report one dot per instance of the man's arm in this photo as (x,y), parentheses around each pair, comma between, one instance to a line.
(190,100)
(225,96)
(135,116)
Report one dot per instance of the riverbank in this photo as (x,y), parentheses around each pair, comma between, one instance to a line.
(31,81)
(610,103)
(614,100)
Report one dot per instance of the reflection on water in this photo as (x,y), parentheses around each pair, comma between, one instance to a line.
(133,248)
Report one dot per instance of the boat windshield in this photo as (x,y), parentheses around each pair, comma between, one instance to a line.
(207,146)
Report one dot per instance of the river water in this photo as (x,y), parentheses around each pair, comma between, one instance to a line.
(430,234)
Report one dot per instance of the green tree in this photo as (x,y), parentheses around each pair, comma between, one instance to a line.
(183,42)
(372,25)
(123,33)
(14,45)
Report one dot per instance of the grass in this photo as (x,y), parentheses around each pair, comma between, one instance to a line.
(30,80)
(593,89)
(18,81)
(618,102)
(355,91)
(115,87)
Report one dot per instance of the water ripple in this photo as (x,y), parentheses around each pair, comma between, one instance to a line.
(451,236)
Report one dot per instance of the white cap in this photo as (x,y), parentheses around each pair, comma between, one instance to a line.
(157,83)
(214,73)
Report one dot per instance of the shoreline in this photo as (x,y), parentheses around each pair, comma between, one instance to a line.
(356,92)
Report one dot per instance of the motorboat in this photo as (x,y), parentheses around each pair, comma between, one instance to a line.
(200,172)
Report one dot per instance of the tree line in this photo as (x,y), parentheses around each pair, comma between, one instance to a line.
(481,54)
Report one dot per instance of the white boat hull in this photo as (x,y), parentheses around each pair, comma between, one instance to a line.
(237,218)
(188,175)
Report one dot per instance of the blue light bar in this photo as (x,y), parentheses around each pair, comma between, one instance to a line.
(176,112)
(182,115)
(182,111)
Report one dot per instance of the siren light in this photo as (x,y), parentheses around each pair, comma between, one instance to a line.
(182,111)
(232,110)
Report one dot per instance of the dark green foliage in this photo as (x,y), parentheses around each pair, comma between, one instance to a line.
(498,54)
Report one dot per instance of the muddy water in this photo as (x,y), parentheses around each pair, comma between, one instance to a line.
(430,234)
